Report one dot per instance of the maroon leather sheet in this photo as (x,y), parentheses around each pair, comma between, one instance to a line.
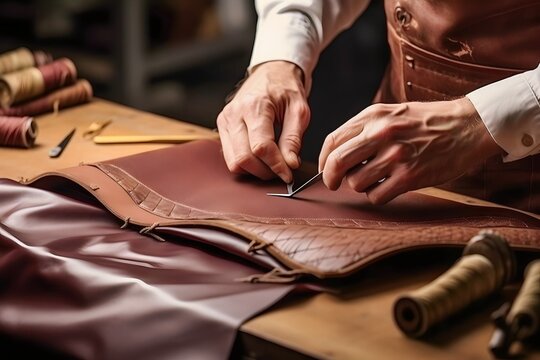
(321,233)
(84,269)
(72,280)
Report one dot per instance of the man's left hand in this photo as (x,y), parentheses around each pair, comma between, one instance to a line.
(389,149)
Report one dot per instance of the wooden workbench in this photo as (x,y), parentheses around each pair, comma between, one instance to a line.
(26,163)
(355,323)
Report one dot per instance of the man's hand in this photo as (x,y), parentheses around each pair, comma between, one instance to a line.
(272,98)
(389,149)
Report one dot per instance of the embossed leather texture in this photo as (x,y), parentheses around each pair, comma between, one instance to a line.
(322,233)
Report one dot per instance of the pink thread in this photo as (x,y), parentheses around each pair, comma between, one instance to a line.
(71,95)
(58,73)
(17,131)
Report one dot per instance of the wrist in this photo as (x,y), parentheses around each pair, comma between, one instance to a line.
(280,67)
(486,144)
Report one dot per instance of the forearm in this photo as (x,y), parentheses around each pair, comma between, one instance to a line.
(298,30)
(510,110)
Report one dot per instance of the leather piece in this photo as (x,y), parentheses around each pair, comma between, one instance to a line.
(72,280)
(322,233)
(443,57)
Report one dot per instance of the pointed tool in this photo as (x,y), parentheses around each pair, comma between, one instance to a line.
(57,150)
(290,192)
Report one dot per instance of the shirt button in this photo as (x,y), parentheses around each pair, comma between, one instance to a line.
(527,140)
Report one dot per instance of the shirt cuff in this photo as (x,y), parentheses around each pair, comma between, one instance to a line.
(510,110)
(288,37)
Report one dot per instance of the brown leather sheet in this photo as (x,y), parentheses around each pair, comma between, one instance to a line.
(322,233)
(73,281)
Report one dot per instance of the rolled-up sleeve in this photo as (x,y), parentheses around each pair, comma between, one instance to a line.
(510,109)
(298,30)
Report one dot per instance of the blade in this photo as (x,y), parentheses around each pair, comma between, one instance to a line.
(304,186)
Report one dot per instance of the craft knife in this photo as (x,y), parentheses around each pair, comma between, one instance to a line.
(290,192)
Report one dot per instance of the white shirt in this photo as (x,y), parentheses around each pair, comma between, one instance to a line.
(298,30)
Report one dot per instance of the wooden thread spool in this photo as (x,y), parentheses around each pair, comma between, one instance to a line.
(70,95)
(486,265)
(525,312)
(21,85)
(22,58)
(31,82)
(18,131)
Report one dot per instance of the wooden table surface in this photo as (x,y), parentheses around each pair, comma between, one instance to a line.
(355,323)
(25,163)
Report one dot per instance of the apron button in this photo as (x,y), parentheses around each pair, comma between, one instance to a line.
(410,61)
(527,140)
(403,17)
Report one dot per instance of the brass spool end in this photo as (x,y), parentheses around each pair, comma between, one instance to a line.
(497,250)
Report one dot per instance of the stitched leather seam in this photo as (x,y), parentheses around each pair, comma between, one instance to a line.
(122,178)
(445,74)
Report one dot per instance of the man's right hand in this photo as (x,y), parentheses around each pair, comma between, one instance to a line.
(272,98)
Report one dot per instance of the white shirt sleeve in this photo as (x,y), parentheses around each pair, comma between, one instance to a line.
(510,109)
(298,30)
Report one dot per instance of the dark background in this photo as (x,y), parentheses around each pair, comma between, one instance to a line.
(180,58)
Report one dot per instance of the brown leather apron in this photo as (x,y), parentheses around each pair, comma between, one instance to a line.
(442,50)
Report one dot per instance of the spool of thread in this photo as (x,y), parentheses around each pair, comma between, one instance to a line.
(22,58)
(18,131)
(70,95)
(29,83)
(524,314)
(486,265)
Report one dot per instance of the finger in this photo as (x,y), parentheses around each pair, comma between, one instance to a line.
(226,146)
(295,124)
(241,158)
(335,139)
(344,158)
(262,145)
(346,132)
(364,177)
(390,188)
(228,152)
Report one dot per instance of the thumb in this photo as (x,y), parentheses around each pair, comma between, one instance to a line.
(295,123)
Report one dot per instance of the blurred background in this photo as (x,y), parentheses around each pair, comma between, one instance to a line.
(180,58)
